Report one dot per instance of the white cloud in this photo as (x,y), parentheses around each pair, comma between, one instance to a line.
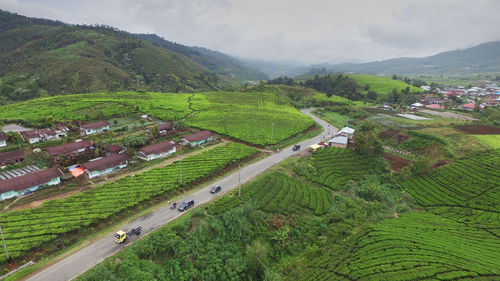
(291,30)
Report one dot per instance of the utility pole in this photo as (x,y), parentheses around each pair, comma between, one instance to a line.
(4,245)
(180,172)
(239,180)
(272,132)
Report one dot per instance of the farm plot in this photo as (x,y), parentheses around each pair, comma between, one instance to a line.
(279,193)
(32,228)
(416,246)
(257,118)
(336,166)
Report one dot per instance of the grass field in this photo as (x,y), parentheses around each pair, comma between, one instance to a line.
(492,141)
(381,84)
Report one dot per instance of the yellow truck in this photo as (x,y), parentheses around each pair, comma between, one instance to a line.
(121,236)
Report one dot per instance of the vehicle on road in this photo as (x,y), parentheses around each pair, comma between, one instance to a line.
(186,205)
(121,236)
(296,147)
(215,189)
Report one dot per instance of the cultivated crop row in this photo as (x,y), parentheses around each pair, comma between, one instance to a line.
(336,166)
(415,246)
(280,193)
(28,229)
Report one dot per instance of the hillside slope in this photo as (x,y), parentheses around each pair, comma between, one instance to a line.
(484,58)
(46,57)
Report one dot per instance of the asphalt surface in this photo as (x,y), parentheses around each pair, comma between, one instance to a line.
(81,261)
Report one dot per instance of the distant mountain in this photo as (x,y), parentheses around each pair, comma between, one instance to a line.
(217,62)
(275,69)
(40,57)
(484,58)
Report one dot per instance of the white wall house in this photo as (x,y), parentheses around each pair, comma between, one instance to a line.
(159,150)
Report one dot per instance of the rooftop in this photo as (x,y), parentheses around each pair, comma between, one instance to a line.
(339,139)
(106,162)
(15,155)
(158,147)
(95,125)
(201,135)
(68,147)
(29,180)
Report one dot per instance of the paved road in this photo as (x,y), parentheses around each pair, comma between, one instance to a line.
(86,258)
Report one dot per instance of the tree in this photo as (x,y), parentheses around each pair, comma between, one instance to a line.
(421,166)
(50,120)
(367,142)
(154,131)
(371,95)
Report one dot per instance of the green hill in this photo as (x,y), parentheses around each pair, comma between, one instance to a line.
(40,57)
(217,62)
(382,84)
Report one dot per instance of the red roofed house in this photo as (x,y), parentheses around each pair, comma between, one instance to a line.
(434,106)
(11,157)
(3,139)
(114,149)
(28,183)
(93,128)
(470,106)
(158,150)
(69,148)
(198,138)
(105,165)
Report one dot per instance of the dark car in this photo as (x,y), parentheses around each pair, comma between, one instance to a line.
(215,189)
(296,147)
(186,205)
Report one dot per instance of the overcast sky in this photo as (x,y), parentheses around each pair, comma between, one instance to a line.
(306,32)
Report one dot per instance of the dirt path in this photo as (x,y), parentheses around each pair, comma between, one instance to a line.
(112,178)
(449,115)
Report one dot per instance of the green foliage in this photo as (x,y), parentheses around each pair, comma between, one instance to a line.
(338,85)
(382,85)
(34,228)
(368,143)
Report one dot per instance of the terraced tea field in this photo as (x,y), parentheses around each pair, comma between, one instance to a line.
(415,246)
(32,228)
(336,166)
(259,118)
(279,193)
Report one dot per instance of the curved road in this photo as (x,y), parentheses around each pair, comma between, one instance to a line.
(81,261)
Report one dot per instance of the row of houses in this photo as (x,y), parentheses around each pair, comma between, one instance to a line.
(115,159)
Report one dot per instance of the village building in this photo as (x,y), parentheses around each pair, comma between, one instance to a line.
(159,150)
(69,148)
(339,141)
(94,128)
(315,147)
(11,157)
(114,149)
(198,138)
(346,131)
(28,183)
(470,106)
(105,165)
(3,139)
(46,134)
(166,128)
(434,106)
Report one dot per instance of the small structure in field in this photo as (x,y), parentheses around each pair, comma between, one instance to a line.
(11,157)
(114,149)
(3,139)
(198,138)
(339,141)
(314,147)
(164,129)
(158,150)
(94,128)
(105,165)
(28,183)
(69,148)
